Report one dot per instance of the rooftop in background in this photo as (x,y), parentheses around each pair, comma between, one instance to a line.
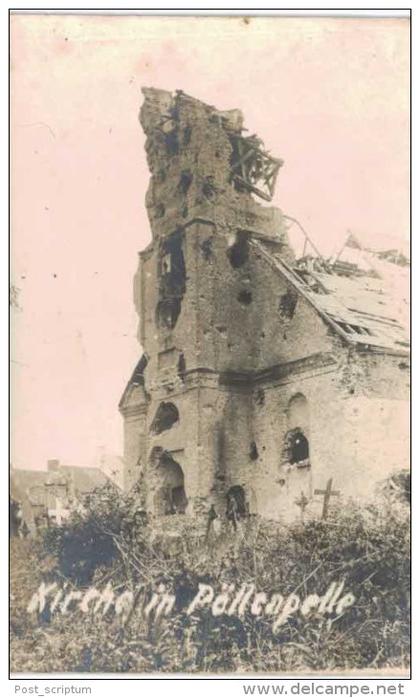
(79,479)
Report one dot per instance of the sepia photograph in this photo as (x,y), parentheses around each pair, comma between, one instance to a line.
(210,345)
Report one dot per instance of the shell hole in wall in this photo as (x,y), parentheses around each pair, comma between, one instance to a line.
(253,451)
(238,253)
(245,297)
(287,304)
(166,416)
(171,142)
(185,181)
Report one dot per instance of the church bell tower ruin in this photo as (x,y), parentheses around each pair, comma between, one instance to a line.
(238,346)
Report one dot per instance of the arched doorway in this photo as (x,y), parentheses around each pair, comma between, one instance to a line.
(237,495)
(236,505)
(170,497)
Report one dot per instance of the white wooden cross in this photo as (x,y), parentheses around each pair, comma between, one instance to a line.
(59,513)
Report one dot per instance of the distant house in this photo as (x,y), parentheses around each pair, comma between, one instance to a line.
(46,497)
(27,495)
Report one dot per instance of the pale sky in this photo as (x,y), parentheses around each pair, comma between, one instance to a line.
(329,96)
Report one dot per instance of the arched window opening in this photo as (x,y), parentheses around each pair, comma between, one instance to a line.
(172,281)
(298,412)
(253,451)
(297,447)
(296,443)
(167,313)
(166,416)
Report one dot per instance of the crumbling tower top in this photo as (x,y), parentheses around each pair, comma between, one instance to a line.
(204,167)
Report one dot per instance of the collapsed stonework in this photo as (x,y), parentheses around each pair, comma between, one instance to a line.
(262,376)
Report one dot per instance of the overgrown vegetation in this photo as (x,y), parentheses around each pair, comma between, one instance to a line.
(367,547)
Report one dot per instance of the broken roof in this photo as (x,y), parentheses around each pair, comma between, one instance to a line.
(365,306)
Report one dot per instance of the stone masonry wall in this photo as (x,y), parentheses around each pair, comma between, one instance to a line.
(231,343)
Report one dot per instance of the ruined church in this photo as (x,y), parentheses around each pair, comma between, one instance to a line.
(262,375)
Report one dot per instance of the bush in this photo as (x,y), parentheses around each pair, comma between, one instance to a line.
(367,547)
(88,541)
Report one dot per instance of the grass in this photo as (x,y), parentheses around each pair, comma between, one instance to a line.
(368,547)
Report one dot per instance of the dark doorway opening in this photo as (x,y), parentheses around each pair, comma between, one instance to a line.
(236,496)
(170,497)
